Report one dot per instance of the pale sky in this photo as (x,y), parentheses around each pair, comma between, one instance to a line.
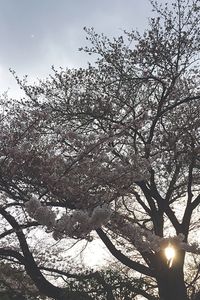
(36,34)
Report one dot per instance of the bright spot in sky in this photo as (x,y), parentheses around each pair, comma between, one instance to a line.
(170,254)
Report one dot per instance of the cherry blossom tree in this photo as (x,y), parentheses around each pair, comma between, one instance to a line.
(114,149)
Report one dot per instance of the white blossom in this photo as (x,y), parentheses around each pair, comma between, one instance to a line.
(81,223)
(45,216)
(76,225)
(146,241)
(32,205)
(193,248)
(61,226)
(100,216)
(2,158)
(42,214)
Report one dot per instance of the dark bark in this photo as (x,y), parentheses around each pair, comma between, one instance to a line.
(171,284)
(121,257)
(27,259)
(197,296)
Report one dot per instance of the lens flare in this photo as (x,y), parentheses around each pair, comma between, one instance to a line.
(170,254)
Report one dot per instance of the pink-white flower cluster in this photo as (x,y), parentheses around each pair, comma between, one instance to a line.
(146,241)
(76,225)
(80,223)
(142,239)
(193,247)
(43,214)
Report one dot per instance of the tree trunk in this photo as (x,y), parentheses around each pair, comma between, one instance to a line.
(171,286)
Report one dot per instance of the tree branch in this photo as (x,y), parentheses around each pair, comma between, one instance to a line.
(121,257)
(31,267)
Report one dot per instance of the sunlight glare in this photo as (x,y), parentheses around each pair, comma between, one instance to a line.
(170,254)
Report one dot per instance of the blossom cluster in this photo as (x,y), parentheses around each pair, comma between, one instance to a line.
(146,241)
(76,225)
(43,214)
(80,223)
(193,247)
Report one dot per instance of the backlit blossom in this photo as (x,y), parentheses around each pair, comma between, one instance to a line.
(77,224)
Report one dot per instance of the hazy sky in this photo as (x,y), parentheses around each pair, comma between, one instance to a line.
(36,34)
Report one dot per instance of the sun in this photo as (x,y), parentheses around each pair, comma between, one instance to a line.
(170,254)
